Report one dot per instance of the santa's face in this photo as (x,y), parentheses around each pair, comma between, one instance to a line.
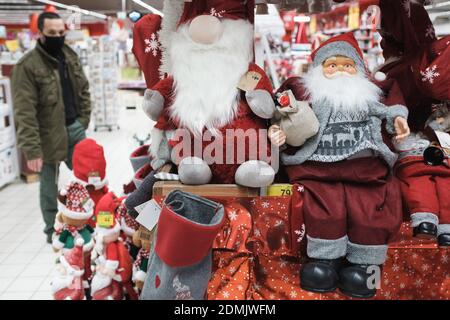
(339,66)
(205,29)
(340,84)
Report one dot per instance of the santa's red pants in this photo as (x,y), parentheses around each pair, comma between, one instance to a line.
(426,192)
(351,208)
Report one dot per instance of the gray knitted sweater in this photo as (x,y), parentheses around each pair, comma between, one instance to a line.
(377,113)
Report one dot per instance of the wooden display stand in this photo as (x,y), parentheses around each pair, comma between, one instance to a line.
(163,188)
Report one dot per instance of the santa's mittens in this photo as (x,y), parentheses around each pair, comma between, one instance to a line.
(141,195)
(153,104)
(194,171)
(261,102)
(180,260)
(255,174)
(140,157)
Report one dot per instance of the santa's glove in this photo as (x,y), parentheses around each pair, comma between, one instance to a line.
(153,104)
(141,195)
(180,260)
(194,171)
(261,102)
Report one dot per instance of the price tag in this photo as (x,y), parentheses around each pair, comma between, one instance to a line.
(149,214)
(279,190)
(249,81)
(105,219)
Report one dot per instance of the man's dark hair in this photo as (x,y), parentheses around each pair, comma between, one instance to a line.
(46,15)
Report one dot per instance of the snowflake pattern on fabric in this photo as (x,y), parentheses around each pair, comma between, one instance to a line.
(429,32)
(217,14)
(430,74)
(152,44)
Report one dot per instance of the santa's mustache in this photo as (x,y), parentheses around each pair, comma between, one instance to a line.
(339,74)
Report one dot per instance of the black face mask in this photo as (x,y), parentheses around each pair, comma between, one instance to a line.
(54,45)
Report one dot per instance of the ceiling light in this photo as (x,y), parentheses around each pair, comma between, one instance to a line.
(148,7)
(74,9)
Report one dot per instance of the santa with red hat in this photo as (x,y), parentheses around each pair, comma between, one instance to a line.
(114,265)
(213,89)
(352,203)
(68,284)
(89,169)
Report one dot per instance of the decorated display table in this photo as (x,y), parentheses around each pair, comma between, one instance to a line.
(261,248)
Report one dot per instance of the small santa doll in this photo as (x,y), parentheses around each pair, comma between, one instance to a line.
(68,283)
(113,271)
(352,203)
(89,169)
(214,88)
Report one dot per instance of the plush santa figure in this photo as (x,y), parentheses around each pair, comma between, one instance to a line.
(89,169)
(213,90)
(68,283)
(352,204)
(76,208)
(113,271)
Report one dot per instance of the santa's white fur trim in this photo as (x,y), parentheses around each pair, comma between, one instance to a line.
(172,10)
(140,276)
(345,92)
(157,137)
(60,282)
(380,76)
(104,232)
(89,246)
(74,214)
(98,186)
(58,245)
(111,264)
(99,282)
(70,269)
(206,76)
(79,242)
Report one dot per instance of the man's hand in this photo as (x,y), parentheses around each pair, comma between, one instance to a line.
(35,165)
(401,128)
(277,136)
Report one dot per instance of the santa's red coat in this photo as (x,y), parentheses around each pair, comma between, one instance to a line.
(245,119)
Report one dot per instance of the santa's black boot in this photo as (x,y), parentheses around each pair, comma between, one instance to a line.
(426,230)
(354,281)
(320,275)
(444,240)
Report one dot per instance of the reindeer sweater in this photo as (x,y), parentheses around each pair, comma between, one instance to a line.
(347,134)
(346,146)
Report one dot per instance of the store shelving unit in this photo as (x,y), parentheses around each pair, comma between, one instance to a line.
(103,73)
(9,167)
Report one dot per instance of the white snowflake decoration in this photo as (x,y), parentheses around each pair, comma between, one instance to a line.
(293,294)
(232,215)
(226,294)
(265,204)
(430,74)
(217,14)
(152,45)
(444,259)
(418,283)
(301,189)
(240,288)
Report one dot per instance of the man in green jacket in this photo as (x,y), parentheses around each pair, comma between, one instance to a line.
(52,109)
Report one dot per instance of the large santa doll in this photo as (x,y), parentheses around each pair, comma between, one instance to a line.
(352,203)
(213,89)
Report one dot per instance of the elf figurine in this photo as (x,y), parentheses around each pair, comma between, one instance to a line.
(89,169)
(114,264)
(68,283)
(424,171)
(352,203)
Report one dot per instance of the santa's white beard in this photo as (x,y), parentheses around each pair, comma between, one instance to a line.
(343,92)
(206,76)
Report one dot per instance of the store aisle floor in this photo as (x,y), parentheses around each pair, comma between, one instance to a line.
(27,262)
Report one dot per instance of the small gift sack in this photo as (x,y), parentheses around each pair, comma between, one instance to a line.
(296,119)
